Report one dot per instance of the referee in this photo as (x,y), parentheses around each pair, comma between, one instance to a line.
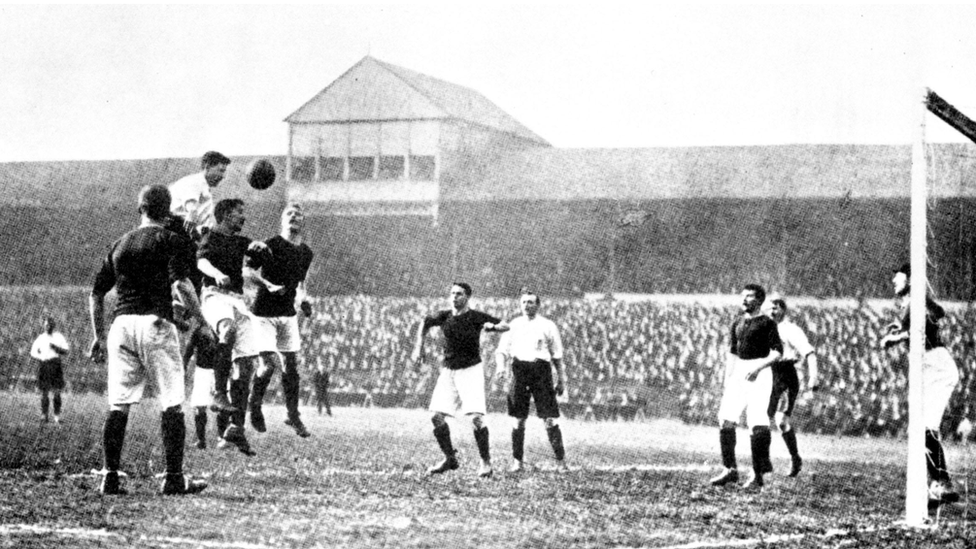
(47,350)
(786,382)
(535,348)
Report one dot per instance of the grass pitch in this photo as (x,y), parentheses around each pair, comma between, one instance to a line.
(359,482)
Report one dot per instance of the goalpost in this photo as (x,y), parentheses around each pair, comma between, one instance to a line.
(916,493)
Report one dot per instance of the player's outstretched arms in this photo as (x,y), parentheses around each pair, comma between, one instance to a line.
(500,327)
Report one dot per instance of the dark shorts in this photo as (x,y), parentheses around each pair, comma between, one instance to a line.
(785,381)
(532,380)
(50,375)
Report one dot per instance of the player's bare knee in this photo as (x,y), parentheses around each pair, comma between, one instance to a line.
(243,367)
(438,419)
(226,330)
(726,424)
(518,423)
(124,408)
(477,421)
(267,364)
(550,422)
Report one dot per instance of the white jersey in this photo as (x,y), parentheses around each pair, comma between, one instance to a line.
(530,340)
(193,188)
(42,350)
(795,342)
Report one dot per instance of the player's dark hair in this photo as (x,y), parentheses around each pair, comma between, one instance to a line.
(781,302)
(528,291)
(154,202)
(758,290)
(213,158)
(464,286)
(225,206)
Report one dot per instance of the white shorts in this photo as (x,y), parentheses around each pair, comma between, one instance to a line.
(251,340)
(939,378)
(284,330)
(140,346)
(203,387)
(740,394)
(460,391)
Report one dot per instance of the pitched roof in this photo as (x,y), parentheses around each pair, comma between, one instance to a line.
(373,90)
(788,171)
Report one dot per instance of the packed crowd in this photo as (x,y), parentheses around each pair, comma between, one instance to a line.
(648,355)
(662,358)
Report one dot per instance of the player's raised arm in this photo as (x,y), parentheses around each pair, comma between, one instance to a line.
(418,349)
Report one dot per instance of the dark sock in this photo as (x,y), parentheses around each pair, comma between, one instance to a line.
(442,433)
(200,422)
(760,441)
(240,390)
(45,403)
(57,404)
(223,419)
(935,462)
(290,384)
(481,438)
(556,440)
(518,442)
(726,438)
(260,388)
(789,437)
(173,428)
(221,368)
(113,436)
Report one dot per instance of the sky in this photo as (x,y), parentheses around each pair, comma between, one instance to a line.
(156,81)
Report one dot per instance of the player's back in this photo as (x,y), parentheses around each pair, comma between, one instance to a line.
(144,262)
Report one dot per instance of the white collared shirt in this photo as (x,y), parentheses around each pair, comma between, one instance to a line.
(795,342)
(193,187)
(41,349)
(531,340)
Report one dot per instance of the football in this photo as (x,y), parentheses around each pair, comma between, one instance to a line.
(260,174)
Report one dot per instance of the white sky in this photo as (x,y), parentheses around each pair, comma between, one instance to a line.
(144,81)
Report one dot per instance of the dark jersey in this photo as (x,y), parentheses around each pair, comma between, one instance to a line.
(933,314)
(176,224)
(285,265)
(142,266)
(755,337)
(462,335)
(226,252)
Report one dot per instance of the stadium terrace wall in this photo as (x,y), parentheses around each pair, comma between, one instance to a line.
(829,247)
(818,247)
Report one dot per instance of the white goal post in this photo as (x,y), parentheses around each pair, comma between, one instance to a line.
(916,493)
